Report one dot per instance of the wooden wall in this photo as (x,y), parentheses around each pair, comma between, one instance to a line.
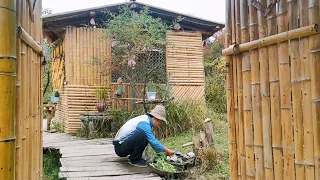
(21,76)
(184,64)
(273,89)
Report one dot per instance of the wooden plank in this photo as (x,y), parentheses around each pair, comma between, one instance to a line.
(143,176)
(103,173)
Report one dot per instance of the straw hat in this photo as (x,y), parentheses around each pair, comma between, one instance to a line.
(159,112)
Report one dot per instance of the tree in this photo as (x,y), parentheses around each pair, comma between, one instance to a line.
(136,36)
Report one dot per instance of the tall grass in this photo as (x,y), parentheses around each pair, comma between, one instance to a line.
(51,164)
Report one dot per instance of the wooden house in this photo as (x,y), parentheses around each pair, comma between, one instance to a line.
(77,80)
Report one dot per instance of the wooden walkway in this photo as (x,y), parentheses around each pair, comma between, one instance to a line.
(92,159)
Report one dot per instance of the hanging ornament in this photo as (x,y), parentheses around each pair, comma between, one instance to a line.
(131,62)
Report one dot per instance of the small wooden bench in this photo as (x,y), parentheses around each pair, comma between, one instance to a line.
(95,120)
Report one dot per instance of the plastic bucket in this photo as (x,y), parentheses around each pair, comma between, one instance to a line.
(151,95)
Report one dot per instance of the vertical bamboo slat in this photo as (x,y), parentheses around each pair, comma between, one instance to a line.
(296,92)
(306,91)
(256,96)
(233,161)
(275,96)
(314,45)
(242,152)
(85,59)
(19,118)
(81,53)
(247,106)
(285,94)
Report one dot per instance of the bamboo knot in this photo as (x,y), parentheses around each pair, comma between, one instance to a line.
(274,81)
(8,57)
(315,51)
(316,101)
(8,9)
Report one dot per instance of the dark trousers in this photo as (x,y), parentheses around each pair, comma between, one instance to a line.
(133,146)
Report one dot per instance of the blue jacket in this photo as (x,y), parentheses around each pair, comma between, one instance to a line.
(141,123)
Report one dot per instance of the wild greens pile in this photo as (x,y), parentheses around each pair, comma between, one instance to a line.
(161,164)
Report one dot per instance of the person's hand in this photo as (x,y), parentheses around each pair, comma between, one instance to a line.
(169,152)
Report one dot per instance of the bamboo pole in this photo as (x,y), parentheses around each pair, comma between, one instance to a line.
(296,92)
(81,54)
(24,100)
(85,61)
(306,91)
(22,34)
(77,63)
(74,55)
(314,45)
(265,97)
(241,142)
(285,94)
(233,161)
(275,96)
(256,96)
(19,118)
(7,80)
(273,39)
(247,106)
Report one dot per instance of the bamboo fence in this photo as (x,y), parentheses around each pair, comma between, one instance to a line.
(273,89)
(21,87)
(184,65)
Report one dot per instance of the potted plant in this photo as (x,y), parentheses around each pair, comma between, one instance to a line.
(152,91)
(101,95)
(56,97)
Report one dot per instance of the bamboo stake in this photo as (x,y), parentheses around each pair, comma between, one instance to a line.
(275,96)
(285,94)
(296,92)
(7,81)
(256,98)
(90,57)
(306,91)
(314,45)
(273,39)
(233,161)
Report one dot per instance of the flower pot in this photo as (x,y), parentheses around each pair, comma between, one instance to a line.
(151,95)
(102,106)
(55,99)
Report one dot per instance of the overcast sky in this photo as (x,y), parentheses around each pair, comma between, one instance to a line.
(213,10)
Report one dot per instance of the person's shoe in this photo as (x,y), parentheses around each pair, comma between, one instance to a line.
(139,163)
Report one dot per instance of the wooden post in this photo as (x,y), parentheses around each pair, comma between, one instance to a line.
(196,144)
(306,91)
(204,141)
(8,57)
(314,45)
(209,132)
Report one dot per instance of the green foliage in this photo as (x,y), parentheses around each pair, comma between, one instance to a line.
(102,93)
(56,94)
(152,87)
(47,80)
(162,164)
(51,165)
(214,65)
(58,126)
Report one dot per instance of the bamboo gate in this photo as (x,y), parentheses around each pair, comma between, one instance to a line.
(20,89)
(273,88)
(81,65)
